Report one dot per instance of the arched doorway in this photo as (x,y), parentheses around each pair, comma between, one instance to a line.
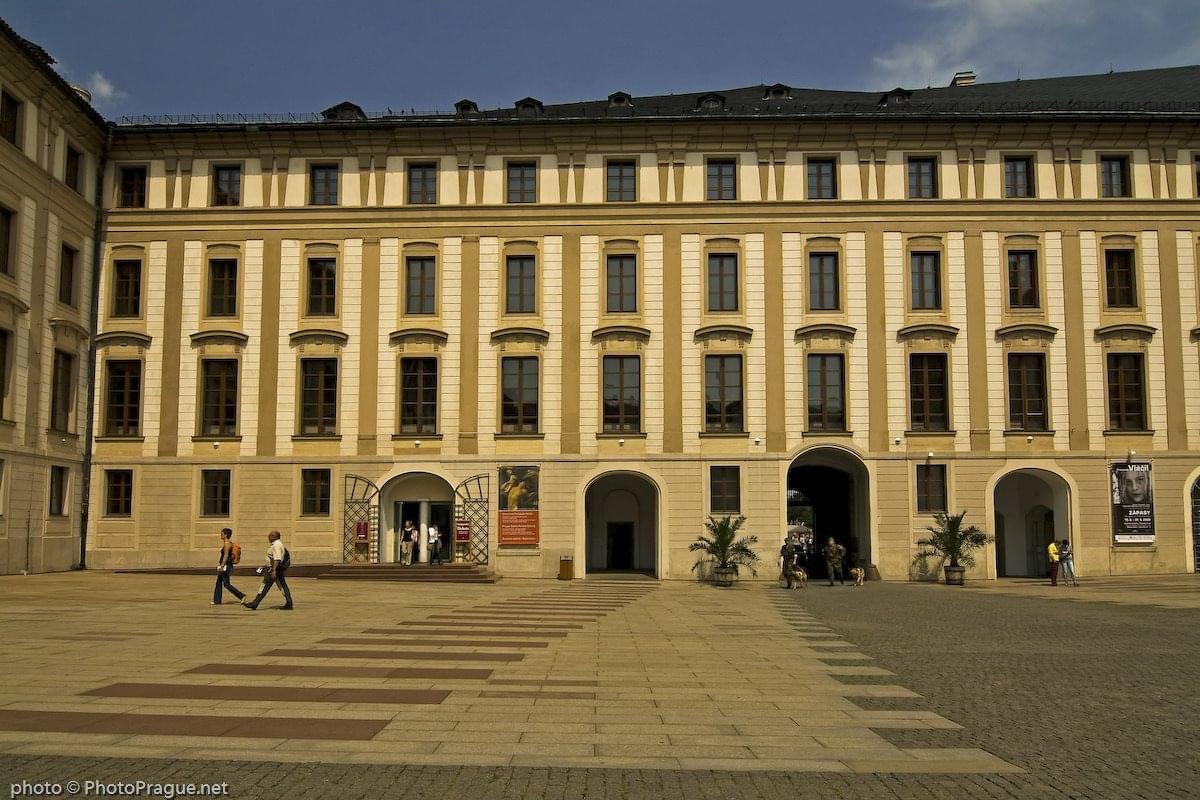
(1196,525)
(1033,507)
(828,491)
(621,524)
(424,499)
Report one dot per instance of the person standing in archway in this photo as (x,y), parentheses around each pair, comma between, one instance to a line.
(1066,557)
(435,543)
(408,541)
(834,553)
(1052,554)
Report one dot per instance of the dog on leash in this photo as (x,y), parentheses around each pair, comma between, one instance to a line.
(799,578)
(859,574)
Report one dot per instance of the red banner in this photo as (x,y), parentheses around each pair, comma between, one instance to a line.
(519,527)
(462,530)
(362,531)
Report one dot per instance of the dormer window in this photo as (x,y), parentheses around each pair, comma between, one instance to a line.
(778,92)
(529,107)
(619,100)
(344,112)
(711,102)
(466,108)
(896,97)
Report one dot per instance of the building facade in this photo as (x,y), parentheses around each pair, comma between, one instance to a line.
(578,330)
(51,148)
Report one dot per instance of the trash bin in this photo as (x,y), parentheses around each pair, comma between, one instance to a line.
(566,568)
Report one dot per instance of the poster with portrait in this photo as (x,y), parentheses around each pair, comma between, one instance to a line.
(1132,503)
(519,522)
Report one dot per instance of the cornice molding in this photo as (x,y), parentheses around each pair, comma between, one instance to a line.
(925,328)
(312,334)
(1136,329)
(1026,328)
(615,331)
(118,336)
(723,329)
(404,334)
(819,328)
(518,331)
(219,335)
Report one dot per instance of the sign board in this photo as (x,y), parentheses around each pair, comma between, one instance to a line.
(462,530)
(519,516)
(362,531)
(1132,503)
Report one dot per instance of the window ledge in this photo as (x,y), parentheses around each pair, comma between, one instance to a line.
(1035,434)
(817,434)
(516,435)
(420,437)
(8,423)
(317,437)
(611,435)
(724,435)
(235,438)
(1120,432)
(101,439)
(64,434)
(950,432)
(1135,548)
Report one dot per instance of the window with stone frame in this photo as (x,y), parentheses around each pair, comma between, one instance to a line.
(622,394)
(322,287)
(822,179)
(118,492)
(928,392)
(1023,286)
(62,391)
(323,184)
(316,487)
(131,186)
(219,397)
(620,181)
(1027,405)
(1114,176)
(227,185)
(922,178)
(1120,279)
(826,392)
(931,488)
(724,490)
(216,493)
(318,396)
(418,395)
(621,284)
(520,285)
(127,288)
(722,282)
(1126,392)
(721,183)
(67,272)
(724,407)
(521,182)
(420,285)
(222,287)
(824,282)
(122,397)
(1018,177)
(422,183)
(519,394)
(926,269)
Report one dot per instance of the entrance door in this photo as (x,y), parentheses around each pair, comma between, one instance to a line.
(442,515)
(619,545)
(406,511)
(1039,533)
(1196,524)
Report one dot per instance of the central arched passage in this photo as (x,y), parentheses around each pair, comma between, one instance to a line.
(423,499)
(1032,508)
(621,524)
(828,493)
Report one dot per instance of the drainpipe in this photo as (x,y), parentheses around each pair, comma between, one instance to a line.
(97,237)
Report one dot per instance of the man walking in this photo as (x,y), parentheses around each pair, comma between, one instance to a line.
(230,555)
(407,542)
(834,553)
(1052,554)
(278,561)
(435,543)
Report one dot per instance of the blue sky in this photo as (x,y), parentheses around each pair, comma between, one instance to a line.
(205,56)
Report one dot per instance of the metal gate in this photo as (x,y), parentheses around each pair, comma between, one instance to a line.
(360,523)
(471,507)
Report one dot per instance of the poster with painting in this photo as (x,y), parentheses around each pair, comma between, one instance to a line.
(1132,503)
(519,519)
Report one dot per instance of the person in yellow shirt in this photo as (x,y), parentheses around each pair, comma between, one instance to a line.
(1052,553)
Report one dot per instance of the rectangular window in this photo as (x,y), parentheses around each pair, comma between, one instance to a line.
(422,184)
(62,391)
(722,179)
(922,178)
(227,185)
(1114,176)
(420,285)
(622,284)
(826,392)
(215,491)
(66,275)
(4,337)
(315,487)
(1022,279)
(323,185)
(222,287)
(1120,278)
(621,181)
(926,281)
(724,490)
(931,488)
(520,285)
(927,392)
(59,477)
(522,182)
(118,493)
(1027,392)
(127,288)
(822,179)
(519,395)
(219,382)
(1018,176)
(722,282)
(132,185)
(10,118)
(322,287)
(824,289)
(71,172)
(622,394)
(123,398)
(418,395)
(1126,392)
(319,396)
(6,241)
(723,409)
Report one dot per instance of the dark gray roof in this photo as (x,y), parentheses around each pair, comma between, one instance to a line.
(1170,92)
(44,61)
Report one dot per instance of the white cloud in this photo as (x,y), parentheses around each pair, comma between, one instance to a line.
(103,90)
(1004,39)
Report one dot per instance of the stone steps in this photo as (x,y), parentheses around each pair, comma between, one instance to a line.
(420,573)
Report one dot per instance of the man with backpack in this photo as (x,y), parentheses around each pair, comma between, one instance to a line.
(278,561)
(231,553)
(834,553)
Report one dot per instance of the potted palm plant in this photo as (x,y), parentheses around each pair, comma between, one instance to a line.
(726,551)
(955,543)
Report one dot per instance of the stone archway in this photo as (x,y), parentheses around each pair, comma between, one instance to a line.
(421,497)
(1032,507)
(828,489)
(621,524)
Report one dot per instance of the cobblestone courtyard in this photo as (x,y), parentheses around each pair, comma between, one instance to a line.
(606,689)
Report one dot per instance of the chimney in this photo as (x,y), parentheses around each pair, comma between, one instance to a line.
(964,78)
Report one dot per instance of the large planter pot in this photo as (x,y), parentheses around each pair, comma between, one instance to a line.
(724,575)
(954,575)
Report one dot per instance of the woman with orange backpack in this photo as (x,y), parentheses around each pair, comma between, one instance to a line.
(231,553)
